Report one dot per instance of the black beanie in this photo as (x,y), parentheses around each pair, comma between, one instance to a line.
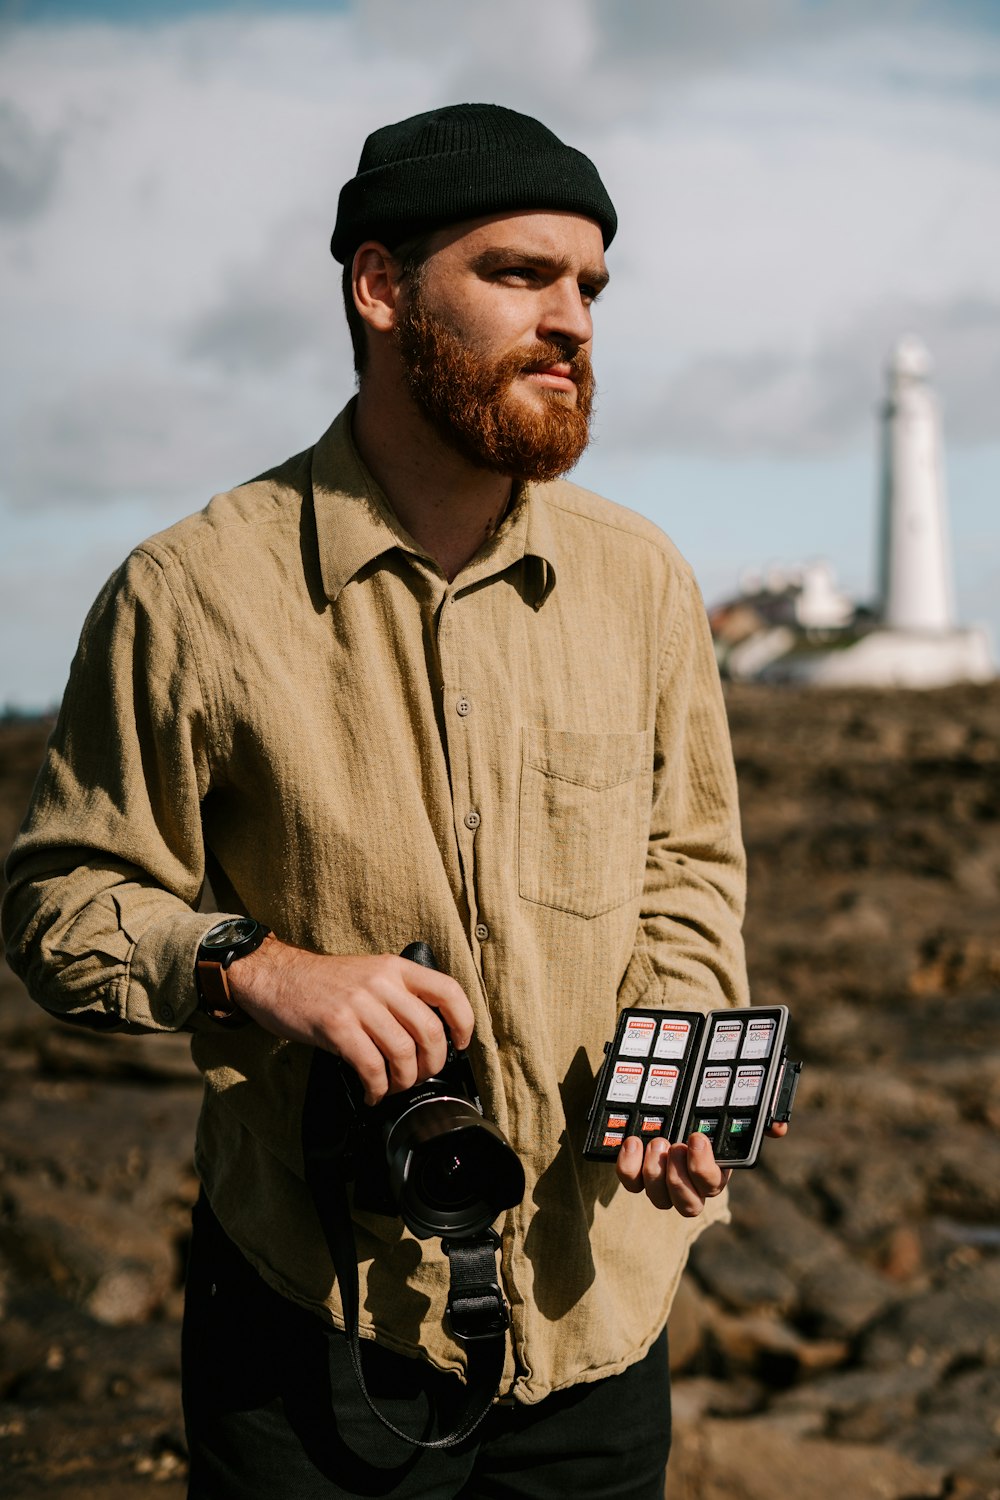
(463,162)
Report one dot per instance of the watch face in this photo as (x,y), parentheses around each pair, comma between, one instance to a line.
(229,934)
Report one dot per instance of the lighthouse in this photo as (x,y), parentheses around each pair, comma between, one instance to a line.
(806,632)
(915,564)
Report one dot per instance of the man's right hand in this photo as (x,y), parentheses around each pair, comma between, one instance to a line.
(382,1015)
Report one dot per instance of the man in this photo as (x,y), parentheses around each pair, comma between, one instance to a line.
(409,685)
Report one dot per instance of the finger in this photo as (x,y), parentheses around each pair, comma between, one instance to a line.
(366,1029)
(368,1062)
(426,1030)
(778,1129)
(681,1191)
(446,995)
(654,1178)
(687,1190)
(629,1164)
(706,1176)
(393,1034)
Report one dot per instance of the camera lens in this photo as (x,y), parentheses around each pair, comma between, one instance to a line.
(442,1179)
(450,1171)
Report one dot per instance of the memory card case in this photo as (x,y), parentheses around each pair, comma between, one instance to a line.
(672,1073)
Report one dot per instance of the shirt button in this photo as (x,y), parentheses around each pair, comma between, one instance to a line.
(463,706)
(482,931)
(472,820)
(166,1012)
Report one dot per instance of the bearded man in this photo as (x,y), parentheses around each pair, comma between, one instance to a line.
(411,685)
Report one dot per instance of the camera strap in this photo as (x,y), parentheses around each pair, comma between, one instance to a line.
(477,1308)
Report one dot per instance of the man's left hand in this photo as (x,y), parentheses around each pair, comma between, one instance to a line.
(682,1176)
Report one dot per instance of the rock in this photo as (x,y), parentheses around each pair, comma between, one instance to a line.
(693,1397)
(836,1294)
(974,1084)
(979,1480)
(833,1033)
(66,1051)
(89,1248)
(757,1459)
(958,1321)
(65,1455)
(54,1355)
(740,1275)
(952,963)
(949,1245)
(887,1397)
(127,1294)
(857,917)
(958,1422)
(126,1141)
(875,1100)
(962,1175)
(841,1296)
(901,1256)
(686,1328)
(770,1349)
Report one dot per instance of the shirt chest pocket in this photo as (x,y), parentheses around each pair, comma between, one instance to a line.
(583,818)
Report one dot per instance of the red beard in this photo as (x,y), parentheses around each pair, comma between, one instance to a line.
(468,399)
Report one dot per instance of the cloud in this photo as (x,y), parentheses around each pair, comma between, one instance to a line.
(29,165)
(787,209)
(782,404)
(147,434)
(594,65)
(279,306)
(689,35)
(797,185)
(714,32)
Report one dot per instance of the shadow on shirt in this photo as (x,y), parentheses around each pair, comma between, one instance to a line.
(555,1237)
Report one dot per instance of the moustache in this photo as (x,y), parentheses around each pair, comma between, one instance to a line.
(542,356)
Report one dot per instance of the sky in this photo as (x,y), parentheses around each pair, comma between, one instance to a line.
(799,183)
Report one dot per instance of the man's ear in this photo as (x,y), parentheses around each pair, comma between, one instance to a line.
(375,282)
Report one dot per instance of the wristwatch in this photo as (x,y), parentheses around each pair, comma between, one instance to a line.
(224,943)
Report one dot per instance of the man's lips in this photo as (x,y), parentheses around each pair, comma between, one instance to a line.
(557,377)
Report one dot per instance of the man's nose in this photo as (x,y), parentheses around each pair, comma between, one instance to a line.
(564,316)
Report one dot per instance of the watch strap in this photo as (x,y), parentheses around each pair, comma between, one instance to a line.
(215,998)
(214,995)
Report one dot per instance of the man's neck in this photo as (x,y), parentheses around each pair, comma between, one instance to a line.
(448,505)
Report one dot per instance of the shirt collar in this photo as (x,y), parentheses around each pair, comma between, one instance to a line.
(355,524)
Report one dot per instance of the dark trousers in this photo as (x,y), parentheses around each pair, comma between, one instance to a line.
(273,1410)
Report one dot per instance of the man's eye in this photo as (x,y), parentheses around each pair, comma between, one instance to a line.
(590,294)
(517,273)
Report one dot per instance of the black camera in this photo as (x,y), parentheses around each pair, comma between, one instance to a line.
(426,1155)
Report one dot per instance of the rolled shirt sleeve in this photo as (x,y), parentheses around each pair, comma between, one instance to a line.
(109,863)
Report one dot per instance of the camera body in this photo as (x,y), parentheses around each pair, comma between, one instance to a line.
(370,1127)
(426,1155)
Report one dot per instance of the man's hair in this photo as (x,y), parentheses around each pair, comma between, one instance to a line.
(410,256)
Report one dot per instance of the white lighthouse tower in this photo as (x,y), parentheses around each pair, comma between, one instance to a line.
(915,562)
(911,638)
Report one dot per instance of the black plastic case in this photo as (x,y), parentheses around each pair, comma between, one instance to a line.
(671,1072)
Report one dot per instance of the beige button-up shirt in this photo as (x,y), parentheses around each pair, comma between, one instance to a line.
(527,767)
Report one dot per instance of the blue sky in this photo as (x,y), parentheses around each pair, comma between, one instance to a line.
(798,185)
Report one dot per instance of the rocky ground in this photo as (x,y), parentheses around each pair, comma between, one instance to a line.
(841,1340)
